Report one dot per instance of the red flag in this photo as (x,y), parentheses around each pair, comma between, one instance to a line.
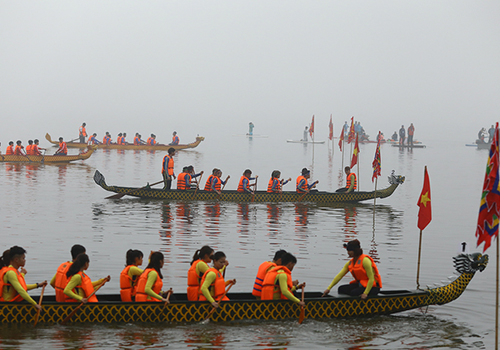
(330,126)
(489,211)
(311,128)
(352,134)
(377,161)
(355,153)
(424,202)
(341,139)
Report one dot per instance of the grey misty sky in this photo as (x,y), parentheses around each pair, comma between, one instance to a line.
(210,67)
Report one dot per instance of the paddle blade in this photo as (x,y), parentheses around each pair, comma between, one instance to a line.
(116,196)
(302,314)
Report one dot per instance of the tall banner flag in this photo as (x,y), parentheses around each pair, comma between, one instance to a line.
(311,128)
(330,126)
(341,138)
(489,211)
(424,202)
(355,153)
(377,161)
(352,134)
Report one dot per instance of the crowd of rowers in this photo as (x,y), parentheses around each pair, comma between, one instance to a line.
(204,283)
(186,180)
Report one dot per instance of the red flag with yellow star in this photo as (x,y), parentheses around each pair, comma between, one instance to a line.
(424,202)
(355,153)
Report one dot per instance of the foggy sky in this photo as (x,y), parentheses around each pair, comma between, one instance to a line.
(210,67)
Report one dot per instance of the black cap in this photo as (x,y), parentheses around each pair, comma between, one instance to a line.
(305,171)
(351,245)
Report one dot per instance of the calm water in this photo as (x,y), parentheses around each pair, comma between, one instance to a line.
(48,208)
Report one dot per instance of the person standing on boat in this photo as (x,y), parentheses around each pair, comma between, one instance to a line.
(19,150)
(36,148)
(167,169)
(13,287)
(275,184)
(80,287)
(250,128)
(199,265)
(63,148)
(175,139)
(264,268)
(10,148)
(402,135)
(60,280)
(130,275)
(150,281)
(302,185)
(93,139)
(346,129)
(82,133)
(411,131)
(278,283)
(244,184)
(213,286)
(491,133)
(367,280)
(306,132)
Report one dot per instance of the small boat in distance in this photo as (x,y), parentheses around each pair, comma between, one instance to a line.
(47,158)
(304,142)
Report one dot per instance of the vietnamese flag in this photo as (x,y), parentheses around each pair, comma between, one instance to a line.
(424,202)
(341,141)
(330,126)
(311,128)
(350,137)
(355,153)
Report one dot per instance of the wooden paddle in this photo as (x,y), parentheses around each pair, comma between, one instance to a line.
(302,197)
(169,293)
(225,182)
(39,303)
(220,300)
(80,306)
(120,195)
(302,308)
(197,186)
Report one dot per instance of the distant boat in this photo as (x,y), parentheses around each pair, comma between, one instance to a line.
(304,142)
(408,146)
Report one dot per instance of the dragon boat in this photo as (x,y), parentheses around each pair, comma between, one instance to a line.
(47,158)
(259,196)
(158,147)
(243,306)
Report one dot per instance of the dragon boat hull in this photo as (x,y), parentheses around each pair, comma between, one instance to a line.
(159,147)
(260,196)
(47,158)
(243,306)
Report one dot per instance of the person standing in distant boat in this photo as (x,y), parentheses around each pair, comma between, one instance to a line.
(82,133)
(480,135)
(250,128)
(167,169)
(402,135)
(346,129)
(306,132)
(175,139)
(411,131)
(491,133)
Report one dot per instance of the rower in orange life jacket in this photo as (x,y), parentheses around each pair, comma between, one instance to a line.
(151,140)
(264,268)
(201,258)
(167,169)
(275,183)
(175,139)
(80,287)
(278,283)
(63,149)
(130,275)
(213,286)
(244,184)
(36,149)
(137,139)
(10,148)
(119,139)
(214,181)
(29,148)
(184,178)
(302,186)
(106,139)
(351,180)
(367,280)
(150,281)
(13,287)
(60,280)
(19,150)
(82,133)
(93,139)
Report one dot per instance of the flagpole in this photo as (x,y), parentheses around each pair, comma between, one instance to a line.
(418,263)
(358,165)
(375,199)
(343,149)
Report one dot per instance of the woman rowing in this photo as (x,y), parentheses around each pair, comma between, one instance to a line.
(275,184)
(201,258)
(264,268)
(150,281)
(244,184)
(367,281)
(214,181)
(130,275)
(80,287)
(213,286)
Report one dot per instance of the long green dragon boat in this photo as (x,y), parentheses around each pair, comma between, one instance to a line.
(259,196)
(243,306)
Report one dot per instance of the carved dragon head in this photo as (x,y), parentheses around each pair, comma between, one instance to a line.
(396,179)
(470,262)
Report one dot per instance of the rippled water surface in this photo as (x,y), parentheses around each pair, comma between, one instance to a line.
(48,208)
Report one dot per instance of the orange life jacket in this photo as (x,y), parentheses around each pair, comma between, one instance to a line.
(10,149)
(63,149)
(305,187)
(175,140)
(183,181)
(17,150)
(141,287)
(106,140)
(127,285)
(170,169)
(28,150)
(87,288)
(217,288)
(261,274)
(240,184)
(270,186)
(271,285)
(36,151)
(83,132)
(193,289)
(359,273)
(137,140)
(348,181)
(20,278)
(208,184)
(61,281)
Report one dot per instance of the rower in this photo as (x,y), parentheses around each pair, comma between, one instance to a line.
(150,281)
(278,283)
(201,258)
(106,139)
(63,148)
(19,150)
(29,148)
(36,148)
(80,287)
(60,280)
(367,280)
(82,133)
(244,184)
(264,268)
(302,186)
(13,287)
(175,139)
(214,181)
(93,139)
(124,141)
(167,169)
(213,286)
(151,140)
(351,181)
(275,184)
(130,275)
(10,148)
(119,139)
